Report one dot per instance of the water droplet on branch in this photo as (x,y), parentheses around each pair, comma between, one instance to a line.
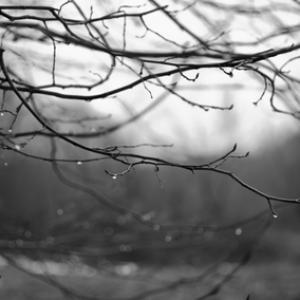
(148,216)
(156,227)
(238,231)
(168,238)
(60,212)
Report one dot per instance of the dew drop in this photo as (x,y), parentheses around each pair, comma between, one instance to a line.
(126,269)
(238,231)
(5,164)
(168,238)
(17,147)
(79,162)
(2,114)
(275,216)
(9,130)
(156,227)
(114,177)
(60,212)
(148,216)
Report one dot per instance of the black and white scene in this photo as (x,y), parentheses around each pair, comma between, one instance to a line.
(149,150)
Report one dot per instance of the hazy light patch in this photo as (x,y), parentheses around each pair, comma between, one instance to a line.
(3,262)
(55,268)
(127,269)
(194,131)
(190,129)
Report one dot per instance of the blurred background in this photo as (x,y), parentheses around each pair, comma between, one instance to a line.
(182,234)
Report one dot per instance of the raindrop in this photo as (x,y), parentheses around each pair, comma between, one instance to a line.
(17,147)
(168,238)
(60,212)
(125,248)
(275,216)
(9,130)
(126,269)
(156,227)
(238,231)
(79,163)
(148,216)
(114,177)
(2,114)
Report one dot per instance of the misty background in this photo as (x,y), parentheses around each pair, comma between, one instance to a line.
(70,219)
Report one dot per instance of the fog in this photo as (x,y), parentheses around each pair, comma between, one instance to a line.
(132,148)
